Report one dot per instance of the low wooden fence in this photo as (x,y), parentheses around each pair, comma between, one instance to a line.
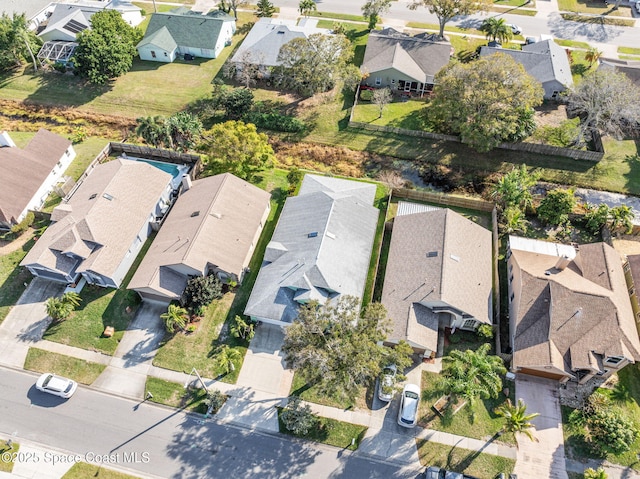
(444,199)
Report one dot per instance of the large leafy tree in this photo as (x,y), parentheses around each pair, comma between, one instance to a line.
(516,419)
(336,348)
(446,10)
(238,148)
(17,42)
(232,5)
(315,64)
(486,102)
(497,29)
(106,50)
(372,9)
(606,101)
(473,374)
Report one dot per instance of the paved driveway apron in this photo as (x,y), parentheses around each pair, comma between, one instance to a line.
(545,458)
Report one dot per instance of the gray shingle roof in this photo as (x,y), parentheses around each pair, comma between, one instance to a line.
(262,44)
(573,318)
(545,61)
(320,249)
(631,68)
(24,170)
(458,274)
(188,30)
(161,39)
(419,57)
(214,223)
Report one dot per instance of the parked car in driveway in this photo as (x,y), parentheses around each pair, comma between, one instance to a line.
(387,382)
(408,414)
(56,385)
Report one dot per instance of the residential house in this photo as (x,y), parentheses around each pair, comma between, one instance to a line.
(403,62)
(546,61)
(439,275)
(320,250)
(185,32)
(29,174)
(212,228)
(262,44)
(570,313)
(63,21)
(99,230)
(631,68)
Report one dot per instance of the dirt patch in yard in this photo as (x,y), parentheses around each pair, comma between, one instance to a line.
(550,114)
(627,244)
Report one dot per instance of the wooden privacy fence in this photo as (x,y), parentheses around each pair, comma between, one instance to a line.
(444,199)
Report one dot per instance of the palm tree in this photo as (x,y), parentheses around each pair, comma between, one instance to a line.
(516,418)
(183,130)
(473,374)
(621,218)
(514,188)
(225,357)
(514,219)
(175,316)
(152,130)
(72,298)
(243,329)
(592,56)
(306,7)
(57,309)
(497,29)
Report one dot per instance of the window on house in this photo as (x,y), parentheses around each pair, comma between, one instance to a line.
(626,267)
(165,54)
(512,296)
(511,279)
(153,54)
(632,291)
(378,81)
(614,360)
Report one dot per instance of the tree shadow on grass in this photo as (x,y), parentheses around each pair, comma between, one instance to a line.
(63,89)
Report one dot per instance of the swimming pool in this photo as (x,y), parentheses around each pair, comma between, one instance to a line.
(176,171)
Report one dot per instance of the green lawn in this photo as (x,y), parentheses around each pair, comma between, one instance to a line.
(309,392)
(175,395)
(629,50)
(572,43)
(629,401)
(100,307)
(596,7)
(381,200)
(399,114)
(84,372)
(150,88)
(332,432)
(338,16)
(182,352)
(597,19)
(482,466)
(484,424)
(82,470)
(6,461)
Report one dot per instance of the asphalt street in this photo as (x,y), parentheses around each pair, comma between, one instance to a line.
(144,438)
(531,26)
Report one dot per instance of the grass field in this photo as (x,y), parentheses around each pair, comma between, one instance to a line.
(83,470)
(84,372)
(332,432)
(482,466)
(400,114)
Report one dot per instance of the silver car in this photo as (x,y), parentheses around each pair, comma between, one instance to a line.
(386,385)
(408,414)
(56,385)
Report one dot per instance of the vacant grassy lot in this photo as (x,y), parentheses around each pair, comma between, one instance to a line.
(175,395)
(83,470)
(149,88)
(332,432)
(625,396)
(84,372)
(182,352)
(482,466)
(482,423)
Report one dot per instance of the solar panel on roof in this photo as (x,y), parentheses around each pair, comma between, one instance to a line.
(74,26)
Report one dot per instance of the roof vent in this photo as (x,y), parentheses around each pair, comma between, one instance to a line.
(107,196)
(93,196)
(331,235)
(455,258)
(432,254)
(216,215)
(547,273)
(195,213)
(313,234)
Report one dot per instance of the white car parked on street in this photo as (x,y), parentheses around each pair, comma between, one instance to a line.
(56,385)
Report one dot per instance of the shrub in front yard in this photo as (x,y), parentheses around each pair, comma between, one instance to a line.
(366,95)
(202,290)
(297,417)
(24,224)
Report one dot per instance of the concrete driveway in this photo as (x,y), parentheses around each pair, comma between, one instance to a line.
(544,458)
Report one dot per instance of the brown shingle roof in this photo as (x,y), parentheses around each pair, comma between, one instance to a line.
(103,218)
(459,274)
(213,223)
(24,170)
(567,317)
